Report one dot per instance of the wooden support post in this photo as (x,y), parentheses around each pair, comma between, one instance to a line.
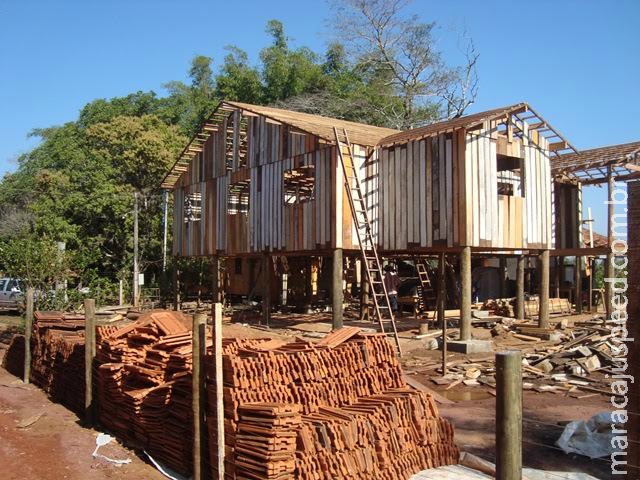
(577,275)
(215,279)
(559,274)
(509,415)
(219,413)
(520,287)
(592,271)
(364,292)
(120,292)
(608,269)
(136,270)
(176,287)
(197,393)
(336,288)
(89,355)
(266,288)
(465,294)
(503,277)
(543,314)
(28,330)
(440,300)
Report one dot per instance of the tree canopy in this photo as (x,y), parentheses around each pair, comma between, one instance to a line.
(76,186)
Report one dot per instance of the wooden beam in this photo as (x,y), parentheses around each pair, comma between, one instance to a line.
(336,289)
(28,329)
(509,415)
(465,294)
(219,413)
(543,294)
(89,355)
(198,394)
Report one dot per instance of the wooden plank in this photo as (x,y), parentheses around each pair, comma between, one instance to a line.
(415,176)
(449,189)
(423,213)
(411,205)
(482,186)
(428,188)
(402,200)
(455,178)
(493,195)
(442,180)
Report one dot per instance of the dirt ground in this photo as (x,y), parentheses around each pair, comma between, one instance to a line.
(41,439)
(56,445)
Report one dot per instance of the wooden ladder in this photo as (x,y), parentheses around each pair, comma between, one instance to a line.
(373,266)
(427,293)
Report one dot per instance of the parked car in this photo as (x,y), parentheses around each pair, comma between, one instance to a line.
(11,295)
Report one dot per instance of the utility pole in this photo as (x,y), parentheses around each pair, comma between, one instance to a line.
(136,272)
(165,212)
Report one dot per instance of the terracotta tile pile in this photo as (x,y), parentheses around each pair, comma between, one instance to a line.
(144,386)
(266,440)
(359,418)
(57,352)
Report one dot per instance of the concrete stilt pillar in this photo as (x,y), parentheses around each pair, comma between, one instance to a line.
(465,294)
(520,286)
(336,288)
(543,319)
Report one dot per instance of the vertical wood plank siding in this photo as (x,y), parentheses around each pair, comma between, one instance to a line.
(439,191)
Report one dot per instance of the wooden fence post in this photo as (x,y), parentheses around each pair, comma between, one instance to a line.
(28,329)
(440,302)
(89,355)
(509,415)
(197,403)
(219,414)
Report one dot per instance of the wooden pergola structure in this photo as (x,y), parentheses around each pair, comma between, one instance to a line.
(601,166)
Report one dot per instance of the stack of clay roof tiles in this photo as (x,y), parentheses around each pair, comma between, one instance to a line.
(57,352)
(144,386)
(359,419)
(335,409)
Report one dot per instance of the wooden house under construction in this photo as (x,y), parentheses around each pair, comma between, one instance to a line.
(259,179)
(261,183)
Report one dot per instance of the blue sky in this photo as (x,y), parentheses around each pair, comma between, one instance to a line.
(575,61)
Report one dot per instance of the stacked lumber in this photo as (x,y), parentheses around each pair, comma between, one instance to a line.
(266,440)
(359,418)
(505,307)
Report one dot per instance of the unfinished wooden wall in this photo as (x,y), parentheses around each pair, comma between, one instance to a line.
(439,191)
(567,215)
(442,191)
(255,150)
